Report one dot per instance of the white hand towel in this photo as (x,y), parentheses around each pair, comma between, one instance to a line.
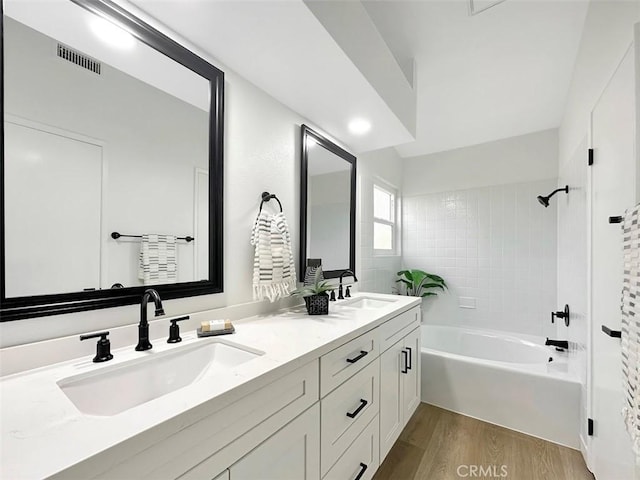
(274,273)
(158,260)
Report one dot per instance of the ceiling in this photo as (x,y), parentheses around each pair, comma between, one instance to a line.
(500,73)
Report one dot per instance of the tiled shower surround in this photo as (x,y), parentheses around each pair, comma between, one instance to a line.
(496,248)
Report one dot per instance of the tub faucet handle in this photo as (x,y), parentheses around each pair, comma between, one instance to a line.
(565,314)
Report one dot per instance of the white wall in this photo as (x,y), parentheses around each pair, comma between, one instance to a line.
(572,263)
(518,159)
(471,215)
(608,32)
(261,153)
(376,273)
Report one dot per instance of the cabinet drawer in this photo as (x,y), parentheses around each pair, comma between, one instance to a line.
(361,458)
(346,411)
(346,360)
(398,327)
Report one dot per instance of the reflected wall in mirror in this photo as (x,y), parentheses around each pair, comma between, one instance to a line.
(328,192)
(108,126)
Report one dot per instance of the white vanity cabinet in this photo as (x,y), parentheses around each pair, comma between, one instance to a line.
(293,453)
(332,415)
(399,386)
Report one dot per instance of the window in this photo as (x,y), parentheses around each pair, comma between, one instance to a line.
(384,223)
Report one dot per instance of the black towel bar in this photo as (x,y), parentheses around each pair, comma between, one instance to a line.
(116,235)
(615,219)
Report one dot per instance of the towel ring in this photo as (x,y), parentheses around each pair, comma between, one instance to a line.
(266,196)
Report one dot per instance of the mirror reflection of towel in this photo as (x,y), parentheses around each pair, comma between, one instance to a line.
(158,261)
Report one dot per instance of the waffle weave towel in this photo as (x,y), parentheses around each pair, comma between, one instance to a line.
(158,261)
(274,273)
(631,326)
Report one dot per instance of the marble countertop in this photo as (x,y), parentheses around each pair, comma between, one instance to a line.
(43,432)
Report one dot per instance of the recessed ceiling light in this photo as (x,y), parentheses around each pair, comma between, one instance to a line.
(112,34)
(359,126)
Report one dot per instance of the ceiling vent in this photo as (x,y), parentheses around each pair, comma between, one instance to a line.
(80,59)
(479,6)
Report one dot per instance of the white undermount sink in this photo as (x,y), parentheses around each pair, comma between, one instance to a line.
(112,390)
(367,303)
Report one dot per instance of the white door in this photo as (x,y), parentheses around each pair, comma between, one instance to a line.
(292,453)
(613,190)
(52,246)
(411,380)
(391,402)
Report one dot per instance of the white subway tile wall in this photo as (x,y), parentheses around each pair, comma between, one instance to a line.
(496,245)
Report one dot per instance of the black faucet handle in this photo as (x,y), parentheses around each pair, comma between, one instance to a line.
(332,298)
(347,293)
(103,347)
(562,314)
(174,329)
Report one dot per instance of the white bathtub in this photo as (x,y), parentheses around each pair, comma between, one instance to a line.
(502,378)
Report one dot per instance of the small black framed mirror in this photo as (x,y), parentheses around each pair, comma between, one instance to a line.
(327,205)
(112,132)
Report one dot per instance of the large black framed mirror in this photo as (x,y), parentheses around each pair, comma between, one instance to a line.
(112,138)
(327,205)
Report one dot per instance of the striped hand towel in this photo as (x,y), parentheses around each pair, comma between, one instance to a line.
(158,261)
(631,326)
(274,273)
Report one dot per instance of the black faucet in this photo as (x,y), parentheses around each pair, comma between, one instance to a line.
(143,326)
(558,343)
(346,272)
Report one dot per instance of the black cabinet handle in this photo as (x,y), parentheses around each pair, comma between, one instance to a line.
(409,365)
(355,359)
(612,333)
(363,468)
(363,403)
(405,366)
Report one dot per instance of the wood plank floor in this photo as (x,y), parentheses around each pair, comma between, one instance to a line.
(438,444)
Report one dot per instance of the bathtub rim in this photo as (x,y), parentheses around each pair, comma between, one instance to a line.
(537,369)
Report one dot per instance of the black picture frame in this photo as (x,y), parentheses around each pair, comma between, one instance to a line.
(17,308)
(306,134)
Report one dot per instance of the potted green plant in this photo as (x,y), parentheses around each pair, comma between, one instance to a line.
(315,295)
(417,283)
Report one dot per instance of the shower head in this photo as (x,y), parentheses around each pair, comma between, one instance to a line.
(545,200)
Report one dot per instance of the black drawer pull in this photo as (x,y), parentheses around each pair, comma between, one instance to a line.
(363,403)
(409,356)
(355,359)
(405,362)
(612,333)
(363,468)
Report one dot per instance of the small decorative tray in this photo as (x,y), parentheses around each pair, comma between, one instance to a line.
(226,331)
